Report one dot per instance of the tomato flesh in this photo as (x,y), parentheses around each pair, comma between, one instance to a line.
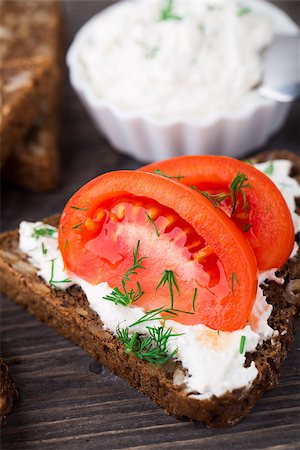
(102,236)
(264,220)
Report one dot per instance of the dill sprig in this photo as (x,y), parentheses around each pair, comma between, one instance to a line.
(152,348)
(44,249)
(155,314)
(237,187)
(167,12)
(232,281)
(244,11)
(246,227)
(78,226)
(44,231)
(152,223)
(78,208)
(242,344)
(169,277)
(159,172)
(270,169)
(194,299)
(52,282)
(124,297)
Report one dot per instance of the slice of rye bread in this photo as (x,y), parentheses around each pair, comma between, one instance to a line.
(35,161)
(69,313)
(33,29)
(23,84)
(8,392)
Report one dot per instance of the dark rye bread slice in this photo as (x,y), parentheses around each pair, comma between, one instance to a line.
(23,84)
(34,162)
(30,30)
(69,313)
(8,392)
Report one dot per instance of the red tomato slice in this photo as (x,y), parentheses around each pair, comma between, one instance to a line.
(260,211)
(208,266)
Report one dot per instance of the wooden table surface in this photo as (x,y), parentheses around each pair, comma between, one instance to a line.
(67,401)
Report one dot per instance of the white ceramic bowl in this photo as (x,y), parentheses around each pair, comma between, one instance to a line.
(148,139)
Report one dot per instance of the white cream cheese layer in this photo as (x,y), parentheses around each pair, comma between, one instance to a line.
(204,61)
(212,359)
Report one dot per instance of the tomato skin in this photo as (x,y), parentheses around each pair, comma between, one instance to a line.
(270,219)
(229,244)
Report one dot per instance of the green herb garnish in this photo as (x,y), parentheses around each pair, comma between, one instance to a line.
(53,282)
(125,297)
(152,223)
(194,298)
(155,314)
(77,207)
(153,348)
(233,280)
(270,169)
(244,11)
(78,226)
(169,277)
(167,12)
(44,249)
(43,231)
(159,172)
(237,186)
(246,227)
(242,344)
(66,244)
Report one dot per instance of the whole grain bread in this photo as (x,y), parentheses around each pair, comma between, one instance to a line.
(8,392)
(32,30)
(23,84)
(69,313)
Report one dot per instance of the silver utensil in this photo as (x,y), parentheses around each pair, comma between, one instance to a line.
(281,69)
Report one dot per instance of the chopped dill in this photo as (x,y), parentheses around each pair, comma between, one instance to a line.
(78,226)
(246,227)
(167,12)
(244,11)
(152,348)
(44,249)
(270,169)
(237,186)
(77,207)
(242,344)
(52,282)
(124,297)
(169,277)
(159,172)
(233,280)
(194,298)
(152,223)
(44,231)
(66,244)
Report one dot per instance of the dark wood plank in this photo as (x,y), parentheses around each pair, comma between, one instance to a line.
(67,401)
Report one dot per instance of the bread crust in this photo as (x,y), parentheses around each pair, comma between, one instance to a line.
(69,313)
(23,84)
(32,31)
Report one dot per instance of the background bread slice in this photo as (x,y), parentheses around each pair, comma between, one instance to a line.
(23,84)
(69,313)
(31,30)
(8,392)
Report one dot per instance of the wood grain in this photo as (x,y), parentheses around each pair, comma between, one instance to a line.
(67,401)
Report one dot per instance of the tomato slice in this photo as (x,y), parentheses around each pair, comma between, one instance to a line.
(194,258)
(260,210)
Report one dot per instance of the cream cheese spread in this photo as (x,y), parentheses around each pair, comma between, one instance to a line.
(212,359)
(177,59)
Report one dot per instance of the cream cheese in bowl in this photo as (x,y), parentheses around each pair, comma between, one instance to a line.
(162,78)
(176,59)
